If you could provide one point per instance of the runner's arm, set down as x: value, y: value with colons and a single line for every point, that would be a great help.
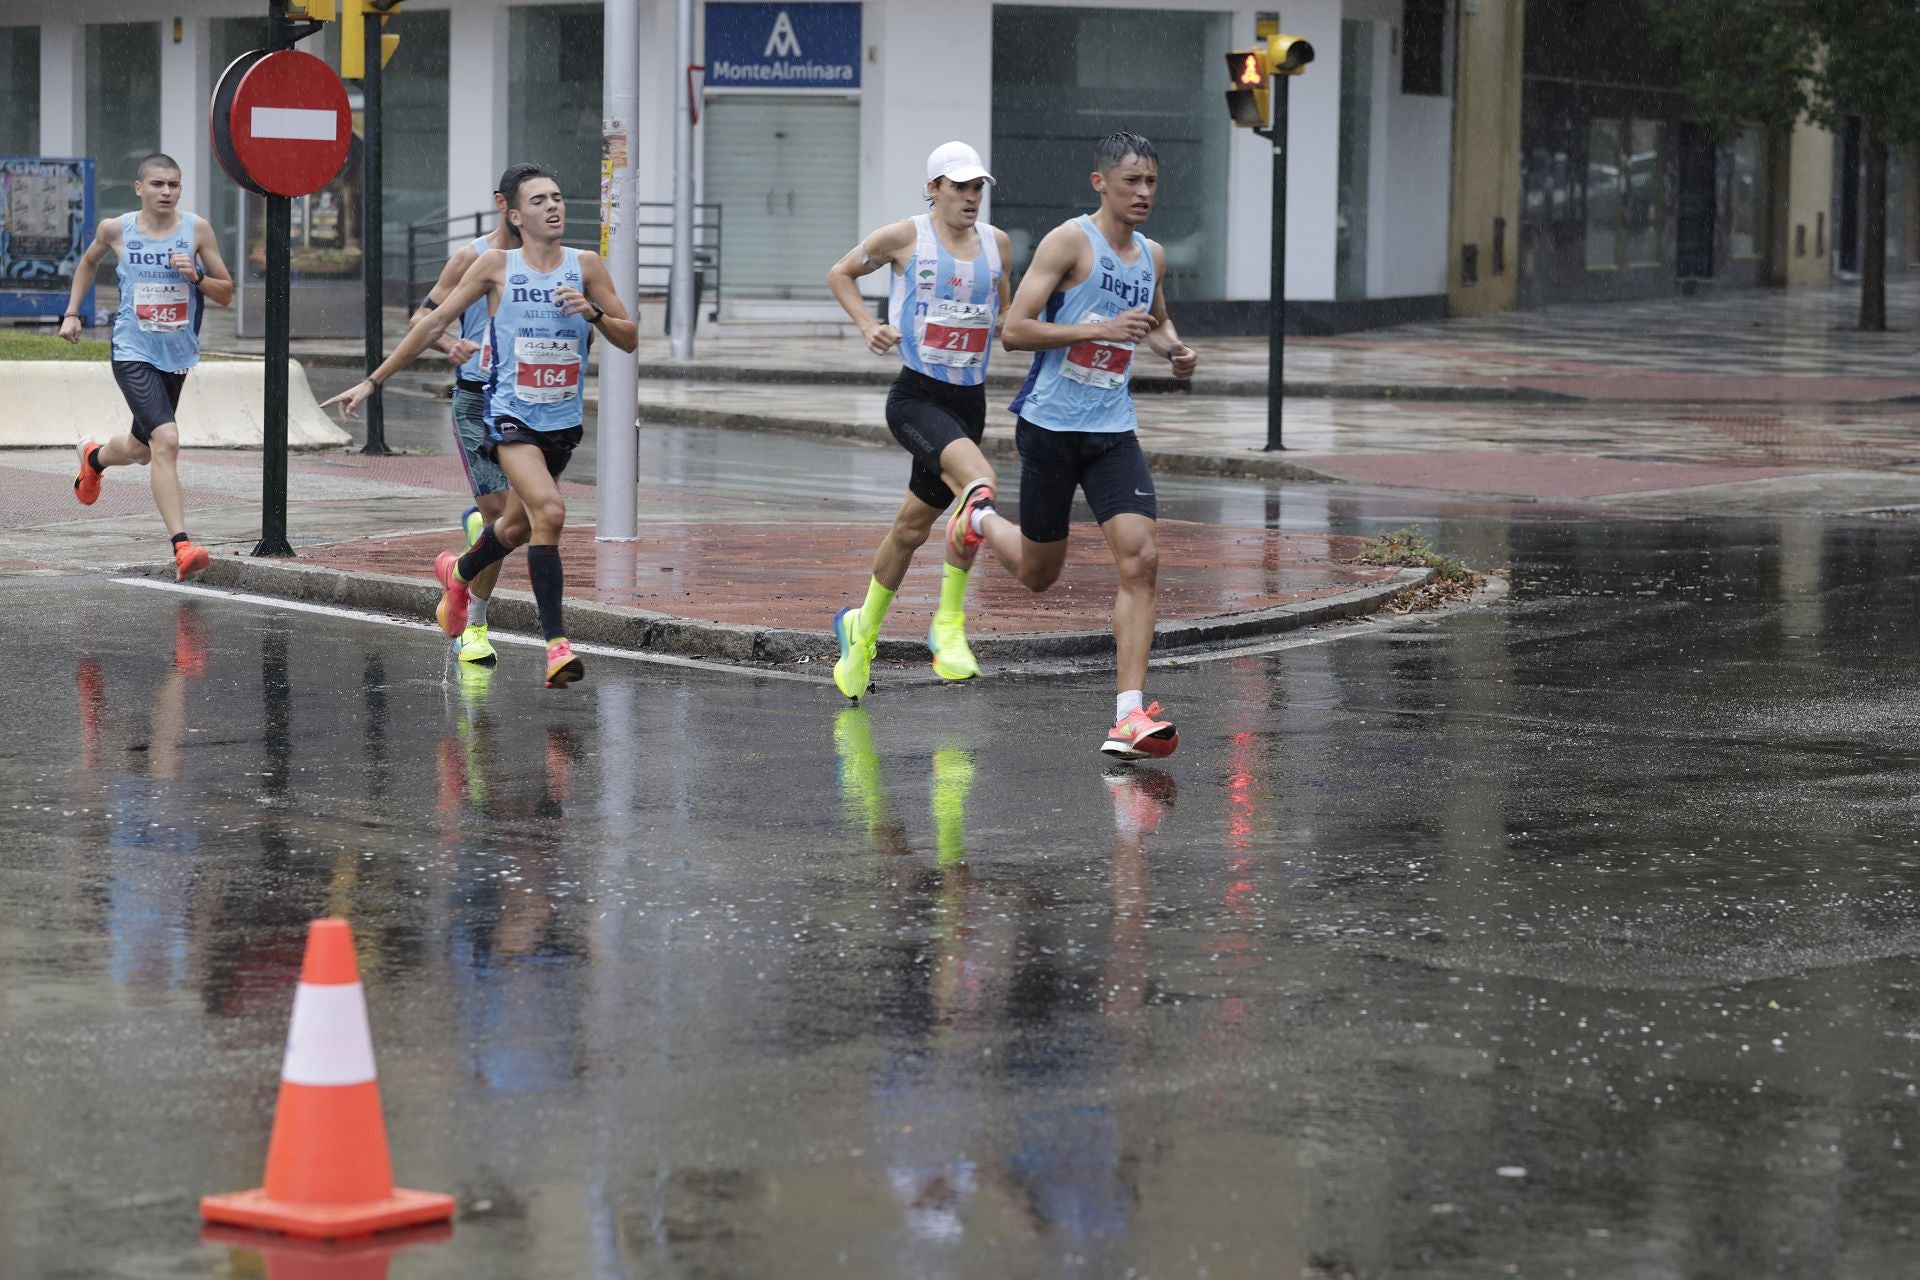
x: 886, y: 247
x: 105, y: 238
x: 599, y: 295
x: 450, y: 277
x: 1053, y: 262
x: 1165, y: 339
x: 481, y: 281
x: 216, y: 282
x: 1006, y: 275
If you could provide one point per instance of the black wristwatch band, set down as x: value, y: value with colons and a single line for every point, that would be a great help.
x: 599, y: 314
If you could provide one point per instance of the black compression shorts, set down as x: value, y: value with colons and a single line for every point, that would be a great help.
x: 926, y: 415
x: 153, y: 395
x: 1109, y: 466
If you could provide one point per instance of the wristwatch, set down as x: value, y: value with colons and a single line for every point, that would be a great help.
x: 599, y: 314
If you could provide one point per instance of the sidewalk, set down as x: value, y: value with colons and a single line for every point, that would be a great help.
x: 713, y: 575
x: 1752, y: 346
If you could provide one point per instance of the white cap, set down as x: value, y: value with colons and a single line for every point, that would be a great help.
x: 956, y: 162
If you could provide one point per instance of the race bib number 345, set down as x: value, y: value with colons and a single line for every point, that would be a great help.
x: 1101, y: 365
x: 160, y: 308
x: 547, y: 370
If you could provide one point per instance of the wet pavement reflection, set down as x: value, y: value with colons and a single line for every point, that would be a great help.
x: 1574, y: 936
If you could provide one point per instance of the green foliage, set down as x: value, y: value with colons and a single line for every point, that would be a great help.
x: 1409, y: 548
x: 15, y: 345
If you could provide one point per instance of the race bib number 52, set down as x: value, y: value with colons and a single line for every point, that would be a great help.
x: 160, y: 308
x: 1100, y: 365
x: 547, y: 370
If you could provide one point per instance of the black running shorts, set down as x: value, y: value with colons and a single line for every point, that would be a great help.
x: 926, y: 415
x: 1109, y: 466
x: 153, y: 395
x: 557, y: 445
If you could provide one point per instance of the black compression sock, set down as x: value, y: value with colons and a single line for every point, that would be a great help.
x: 93, y: 459
x: 486, y: 549
x: 179, y: 538
x: 543, y: 566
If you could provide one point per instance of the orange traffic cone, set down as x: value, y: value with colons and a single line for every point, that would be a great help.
x: 328, y: 1173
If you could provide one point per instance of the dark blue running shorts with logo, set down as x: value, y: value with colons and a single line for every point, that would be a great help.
x: 1108, y: 466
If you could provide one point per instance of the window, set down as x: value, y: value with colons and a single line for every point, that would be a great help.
x: 1605, y: 188
x: 1626, y: 193
x: 554, y: 96
x: 1064, y: 76
x: 1646, y: 202
x: 1423, y: 47
x: 19, y: 91
x: 1747, y: 174
x: 123, y: 69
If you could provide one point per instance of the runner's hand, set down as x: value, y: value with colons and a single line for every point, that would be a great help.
x: 1185, y: 361
x: 183, y: 263
x: 573, y: 302
x: 462, y: 351
x: 70, y: 328
x: 351, y: 399
x: 1129, y: 326
x: 882, y: 338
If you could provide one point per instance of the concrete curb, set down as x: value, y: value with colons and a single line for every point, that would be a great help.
x: 618, y: 626
x: 1252, y: 465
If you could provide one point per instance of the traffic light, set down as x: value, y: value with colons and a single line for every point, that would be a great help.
x: 311, y: 10
x: 353, y: 35
x: 1249, y: 101
x: 1288, y: 55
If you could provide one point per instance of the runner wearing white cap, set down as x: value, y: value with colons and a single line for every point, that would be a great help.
x: 950, y: 288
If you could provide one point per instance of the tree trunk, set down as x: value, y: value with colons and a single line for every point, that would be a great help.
x: 1873, y: 255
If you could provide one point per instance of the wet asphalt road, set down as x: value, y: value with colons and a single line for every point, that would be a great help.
x: 1576, y: 936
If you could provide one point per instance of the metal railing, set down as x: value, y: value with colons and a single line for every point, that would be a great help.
x: 432, y: 241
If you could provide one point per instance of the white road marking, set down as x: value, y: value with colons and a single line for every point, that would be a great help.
x: 498, y: 637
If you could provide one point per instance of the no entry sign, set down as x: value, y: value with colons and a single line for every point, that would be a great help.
x: 281, y: 124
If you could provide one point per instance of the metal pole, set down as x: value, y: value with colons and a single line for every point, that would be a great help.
x: 618, y: 478
x: 1277, y: 308
x: 373, y: 266
x: 680, y: 284
x: 273, y: 460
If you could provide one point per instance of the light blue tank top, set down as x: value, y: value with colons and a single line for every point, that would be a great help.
x: 945, y: 308
x: 1084, y: 387
x: 473, y: 328
x: 158, y: 322
x: 539, y: 352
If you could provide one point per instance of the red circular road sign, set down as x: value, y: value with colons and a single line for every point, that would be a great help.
x: 281, y: 123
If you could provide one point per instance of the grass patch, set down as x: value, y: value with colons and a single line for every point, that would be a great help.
x: 1409, y: 548
x: 15, y: 345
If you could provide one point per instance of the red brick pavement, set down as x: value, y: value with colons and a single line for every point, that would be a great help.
x: 783, y: 576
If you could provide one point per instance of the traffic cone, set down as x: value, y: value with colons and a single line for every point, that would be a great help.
x: 328, y: 1173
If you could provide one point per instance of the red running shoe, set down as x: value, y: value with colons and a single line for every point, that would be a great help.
x: 960, y: 535
x: 189, y: 561
x: 1142, y: 733
x: 86, y: 481
x: 451, y: 612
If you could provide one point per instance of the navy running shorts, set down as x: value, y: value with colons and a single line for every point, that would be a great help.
x: 1109, y: 466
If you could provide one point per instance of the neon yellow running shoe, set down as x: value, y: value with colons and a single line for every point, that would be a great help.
x: 853, y: 673
x: 952, y: 657
x: 473, y: 646
x: 471, y: 523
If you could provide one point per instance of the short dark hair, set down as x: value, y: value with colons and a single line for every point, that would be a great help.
x: 1112, y: 151
x: 518, y: 176
x: 157, y: 160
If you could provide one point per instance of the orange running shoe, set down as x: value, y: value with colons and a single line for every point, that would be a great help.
x: 961, y: 538
x: 562, y: 667
x: 189, y: 561
x: 451, y: 612
x: 86, y: 481
x: 1141, y: 733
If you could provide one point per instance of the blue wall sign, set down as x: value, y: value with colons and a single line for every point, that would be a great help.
x: 783, y: 46
x: 46, y: 223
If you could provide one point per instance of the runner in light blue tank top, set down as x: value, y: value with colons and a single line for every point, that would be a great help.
x: 541, y: 329
x: 169, y: 267
x: 1089, y: 298
x: 539, y: 351
x: 948, y: 278
x: 485, y: 480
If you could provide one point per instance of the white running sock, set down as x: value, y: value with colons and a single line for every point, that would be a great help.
x: 1124, y: 703
x: 979, y: 517
x: 476, y: 611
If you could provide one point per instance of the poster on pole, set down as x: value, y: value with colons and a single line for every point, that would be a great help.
x: 46, y: 223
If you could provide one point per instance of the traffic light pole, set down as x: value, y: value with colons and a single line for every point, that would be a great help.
x: 1277, y: 305
x: 372, y: 238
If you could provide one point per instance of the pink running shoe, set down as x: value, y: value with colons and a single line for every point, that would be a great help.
x: 563, y: 668
x: 960, y: 535
x: 1142, y: 733
x: 451, y: 612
